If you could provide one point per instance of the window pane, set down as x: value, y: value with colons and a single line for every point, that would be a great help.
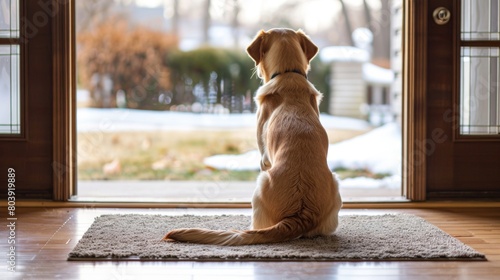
x: 10, y: 106
x: 9, y: 19
x: 480, y: 20
x: 479, y: 93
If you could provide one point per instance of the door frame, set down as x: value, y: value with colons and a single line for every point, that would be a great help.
x: 414, y: 100
x: 64, y: 100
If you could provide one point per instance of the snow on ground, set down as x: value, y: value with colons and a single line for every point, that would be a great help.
x: 378, y: 151
x: 247, y: 161
x: 92, y: 119
x: 389, y: 182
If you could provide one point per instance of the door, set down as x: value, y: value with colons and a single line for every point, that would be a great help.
x: 26, y: 138
x: 463, y: 99
x: 36, y: 142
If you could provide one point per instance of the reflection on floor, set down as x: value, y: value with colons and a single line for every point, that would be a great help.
x: 47, y: 235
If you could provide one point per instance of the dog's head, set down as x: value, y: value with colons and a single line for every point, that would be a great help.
x: 279, y: 50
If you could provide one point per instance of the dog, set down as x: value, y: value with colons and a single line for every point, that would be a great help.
x: 297, y: 194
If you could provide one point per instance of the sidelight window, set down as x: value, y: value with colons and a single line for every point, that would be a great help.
x: 10, y: 101
x: 480, y: 68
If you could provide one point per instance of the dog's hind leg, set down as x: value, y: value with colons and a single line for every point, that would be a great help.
x: 260, y: 217
x: 331, y: 219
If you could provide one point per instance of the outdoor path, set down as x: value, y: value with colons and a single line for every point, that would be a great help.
x: 200, y: 191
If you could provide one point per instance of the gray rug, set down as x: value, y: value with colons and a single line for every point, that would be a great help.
x: 359, y: 237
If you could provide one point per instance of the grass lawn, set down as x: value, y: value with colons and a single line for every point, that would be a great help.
x: 172, y: 155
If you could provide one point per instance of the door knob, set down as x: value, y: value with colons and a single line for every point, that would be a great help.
x: 441, y: 15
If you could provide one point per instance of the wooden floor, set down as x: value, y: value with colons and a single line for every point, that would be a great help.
x: 45, y: 236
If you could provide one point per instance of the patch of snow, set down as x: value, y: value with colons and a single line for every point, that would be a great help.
x: 344, y: 54
x: 389, y: 182
x: 335, y: 122
x: 82, y: 95
x: 378, y: 151
x: 247, y: 161
x: 93, y: 119
x: 374, y: 74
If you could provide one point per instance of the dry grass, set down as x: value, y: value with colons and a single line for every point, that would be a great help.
x: 167, y: 155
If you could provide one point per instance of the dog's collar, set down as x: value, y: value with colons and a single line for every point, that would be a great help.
x: 288, y: 71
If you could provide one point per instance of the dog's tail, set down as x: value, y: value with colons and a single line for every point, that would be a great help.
x: 287, y: 229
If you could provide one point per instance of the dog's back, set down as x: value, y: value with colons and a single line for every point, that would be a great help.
x: 298, y: 181
x: 296, y: 194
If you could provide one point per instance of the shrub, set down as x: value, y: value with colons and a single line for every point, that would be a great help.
x: 116, y: 57
x: 213, y: 76
x: 123, y: 65
x: 226, y: 77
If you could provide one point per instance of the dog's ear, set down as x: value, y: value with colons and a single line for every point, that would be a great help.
x: 309, y: 48
x: 255, y: 49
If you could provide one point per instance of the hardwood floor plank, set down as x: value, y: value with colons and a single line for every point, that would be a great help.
x: 45, y: 236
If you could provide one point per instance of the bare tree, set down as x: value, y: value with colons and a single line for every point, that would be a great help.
x: 175, y: 18
x: 235, y: 22
x: 368, y: 16
x: 381, y: 28
x: 92, y: 13
x: 206, y: 22
x: 348, y: 26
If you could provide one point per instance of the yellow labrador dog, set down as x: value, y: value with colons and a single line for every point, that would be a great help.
x: 297, y: 194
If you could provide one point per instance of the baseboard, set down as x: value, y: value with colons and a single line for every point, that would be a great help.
x: 485, y: 196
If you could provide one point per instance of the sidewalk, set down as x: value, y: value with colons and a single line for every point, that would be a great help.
x: 200, y: 191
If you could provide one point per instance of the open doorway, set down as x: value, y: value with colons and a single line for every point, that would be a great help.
x: 165, y: 110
